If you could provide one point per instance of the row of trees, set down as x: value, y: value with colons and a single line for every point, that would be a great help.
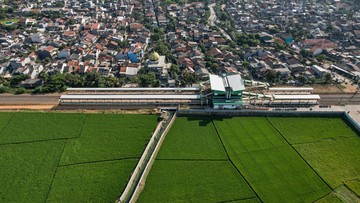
x: 58, y: 82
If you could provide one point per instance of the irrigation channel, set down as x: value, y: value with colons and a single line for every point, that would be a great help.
x: 142, y: 169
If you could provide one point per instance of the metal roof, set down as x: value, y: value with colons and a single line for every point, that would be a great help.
x: 297, y: 97
x: 291, y: 89
x: 235, y: 82
x: 217, y: 83
x: 130, y: 96
x: 135, y: 89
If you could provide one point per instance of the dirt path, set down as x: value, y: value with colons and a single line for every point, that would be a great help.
x: 27, y: 107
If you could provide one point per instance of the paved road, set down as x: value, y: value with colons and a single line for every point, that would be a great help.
x: 26, y: 99
x: 213, y: 18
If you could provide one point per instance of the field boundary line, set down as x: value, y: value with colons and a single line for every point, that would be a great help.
x: 98, y: 161
x: 298, y: 153
x: 7, y: 123
x: 227, y: 154
x: 210, y: 160
x: 82, y: 126
x: 35, y: 141
x: 57, y: 166
x: 323, y: 196
x: 322, y: 140
x: 233, y: 200
x: 349, y: 188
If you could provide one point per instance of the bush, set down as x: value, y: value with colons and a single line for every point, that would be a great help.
x: 20, y: 90
x: 3, y: 89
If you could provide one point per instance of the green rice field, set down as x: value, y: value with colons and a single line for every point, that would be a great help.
x: 276, y: 159
x: 69, y: 157
x: 76, y: 157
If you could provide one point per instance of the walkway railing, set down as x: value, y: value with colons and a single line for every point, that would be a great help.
x: 137, y: 179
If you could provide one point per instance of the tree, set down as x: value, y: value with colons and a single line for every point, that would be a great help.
x: 302, y: 79
x: 271, y: 75
x: 16, y: 79
x: 156, y: 37
x: 174, y: 71
x: 188, y: 78
x: 215, y: 68
x: 245, y: 64
x: 304, y: 53
x: 328, y: 78
x: 146, y: 80
x: 162, y: 49
x: 20, y: 90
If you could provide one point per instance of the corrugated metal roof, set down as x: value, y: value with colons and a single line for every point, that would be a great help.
x: 291, y: 89
x: 135, y: 89
x: 129, y: 96
x: 302, y: 96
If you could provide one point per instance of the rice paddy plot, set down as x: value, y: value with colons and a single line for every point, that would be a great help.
x: 108, y: 137
x: 195, y: 181
x: 4, y: 119
x: 330, y: 198
x: 192, y: 138
x: 94, y: 182
x: 309, y: 129
x: 275, y: 171
x: 337, y: 161
x: 354, y: 185
x: 27, y: 170
x: 35, y: 126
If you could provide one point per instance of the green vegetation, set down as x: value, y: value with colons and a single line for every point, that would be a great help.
x: 275, y: 171
x: 194, y: 181
x: 300, y: 130
x: 192, y: 167
x: 329, y: 145
x: 192, y: 138
x: 27, y: 170
x: 330, y: 198
x: 354, y: 185
x: 94, y: 182
x: 35, y: 126
x: 282, y: 160
x: 109, y: 136
x: 336, y: 160
x: 4, y: 119
x: 68, y: 157
x: 59, y: 82
x: 12, y: 20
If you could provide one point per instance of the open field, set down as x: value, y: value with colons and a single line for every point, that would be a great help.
x: 93, y: 182
x: 330, y: 198
x: 192, y: 166
x: 27, y: 170
x: 69, y: 157
x: 36, y: 126
x: 108, y: 137
x: 302, y: 130
x: 276, y: 172
x: 278, y: 159
x: 192, y: 138
x: 354, y: 185
x: 327, y: 144
x: 337, y: 161
x: 194, y: 181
